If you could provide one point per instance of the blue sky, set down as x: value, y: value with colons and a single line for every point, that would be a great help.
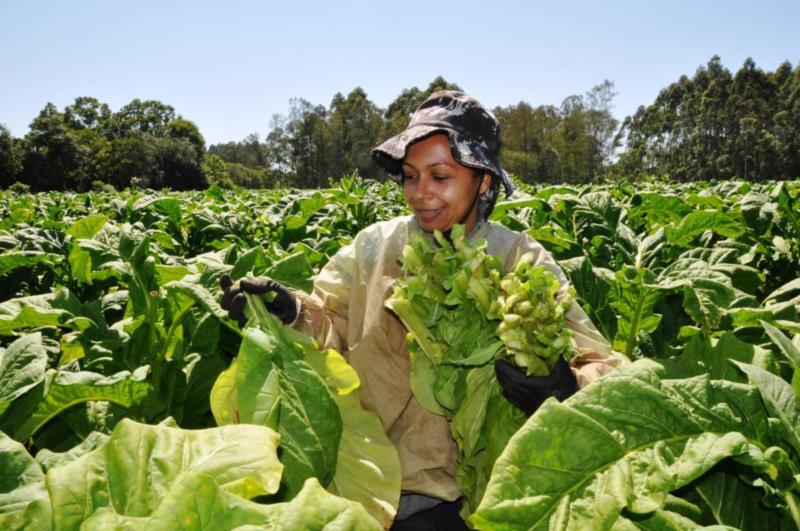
x: 230, y: 66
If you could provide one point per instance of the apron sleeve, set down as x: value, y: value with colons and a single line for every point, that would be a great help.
x: 323, y: 313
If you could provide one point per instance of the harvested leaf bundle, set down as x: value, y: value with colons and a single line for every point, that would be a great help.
x: 462, y: 313
x: 532, y: 327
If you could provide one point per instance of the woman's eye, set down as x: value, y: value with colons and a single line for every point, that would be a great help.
x: 440, y: 177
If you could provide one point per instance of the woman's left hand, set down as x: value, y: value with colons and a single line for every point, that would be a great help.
x: 528, y: 392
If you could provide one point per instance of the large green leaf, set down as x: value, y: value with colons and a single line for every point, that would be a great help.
x: 271, y: 385
x: 202, y: 366
x: 28, y: 312
x: 50, y: 309
x: 789, y: 291
x: 706, y: 300
x: 199, y: 294
x: 784, y: 344
x: 251, y: 260
x: 248, y: 390
x: 704, y: 355
x: 141, y: 466
x: 707, y: 293
x: 660, y: 208
x: 18, y: 467
x: 313, y: 508
x: 63, y: 390
x: 292, y: 270
x: 726, y: 499
x: 196, y: 502
x: 22, y: 366
x: 367, y: 465
x: 22, y: 492
x: 310, y: 425
x: 701, y: 221
x: 780, y: 399
x: 482, y: 427
x: 158, y: 477
x: 87, y: 227
x: 252, y: 389
x: 80, y: 260
x: 503, y: 206
x: 223, y: 396
x: 15, y: 259
x: 624, y: 443
x: 634, y: 297
x: 49, y: 459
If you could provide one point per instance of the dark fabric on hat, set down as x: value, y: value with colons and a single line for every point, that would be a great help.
x: 473, y: 130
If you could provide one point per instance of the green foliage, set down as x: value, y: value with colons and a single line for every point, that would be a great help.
x: 19, y: 188
x: 182, y: 129
x: 691, y: 283
x: 162, y: 477
x: 271, y: 385
x: 281, y: 379
x: 617, y: 453
x: 108, y: 311
x: 149, y: 117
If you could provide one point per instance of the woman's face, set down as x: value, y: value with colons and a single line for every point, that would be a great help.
x: 439, y: 189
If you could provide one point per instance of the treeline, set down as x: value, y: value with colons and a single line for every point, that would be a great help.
x: 314, y: 143
x: 718, y: 125
x: 144, y: 144
x: 714, y: 125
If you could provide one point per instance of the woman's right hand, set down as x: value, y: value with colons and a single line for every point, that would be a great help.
x: 283, y: 305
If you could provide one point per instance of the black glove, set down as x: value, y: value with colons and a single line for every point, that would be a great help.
x: 528, y: 392
x: 283, y: 305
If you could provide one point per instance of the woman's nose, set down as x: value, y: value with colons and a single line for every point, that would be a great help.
x: 422, y: 189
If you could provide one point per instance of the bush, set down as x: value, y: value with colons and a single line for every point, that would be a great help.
x: 101, y: 186
x: 19, y: 188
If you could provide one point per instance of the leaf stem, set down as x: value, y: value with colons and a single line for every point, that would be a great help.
x: 174, y: 326
x: 635, y: 324
x: 794, y: 509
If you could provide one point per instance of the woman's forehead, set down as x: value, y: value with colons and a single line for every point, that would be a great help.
x: 433, y: 147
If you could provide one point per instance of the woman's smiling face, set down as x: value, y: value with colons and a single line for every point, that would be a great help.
x: 440, y: 190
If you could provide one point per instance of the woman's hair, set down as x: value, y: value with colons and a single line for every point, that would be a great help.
x: 489, y: 198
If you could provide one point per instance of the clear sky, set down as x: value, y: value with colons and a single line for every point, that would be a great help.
x: 229, y: 66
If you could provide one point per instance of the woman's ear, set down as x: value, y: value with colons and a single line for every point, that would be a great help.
x: 486, y: 183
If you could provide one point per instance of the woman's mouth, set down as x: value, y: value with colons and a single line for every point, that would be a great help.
x: 427, y: 214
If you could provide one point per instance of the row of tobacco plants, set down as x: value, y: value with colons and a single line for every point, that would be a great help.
x: 118, y: 367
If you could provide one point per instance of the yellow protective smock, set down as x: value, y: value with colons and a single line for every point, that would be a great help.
x: 346, y: 311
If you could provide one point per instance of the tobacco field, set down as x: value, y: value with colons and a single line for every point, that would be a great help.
x: 129, y: 400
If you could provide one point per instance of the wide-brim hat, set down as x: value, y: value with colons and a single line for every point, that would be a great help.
x: 473, y: 130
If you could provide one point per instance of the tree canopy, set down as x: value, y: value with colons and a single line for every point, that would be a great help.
x: 713, y: 125
x: 143, y: 144
x: 719, y: 125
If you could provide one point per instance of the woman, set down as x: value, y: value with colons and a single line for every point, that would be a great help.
x: 447, y: 160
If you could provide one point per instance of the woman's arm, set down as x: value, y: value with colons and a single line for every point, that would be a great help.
x: 324, y: 313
